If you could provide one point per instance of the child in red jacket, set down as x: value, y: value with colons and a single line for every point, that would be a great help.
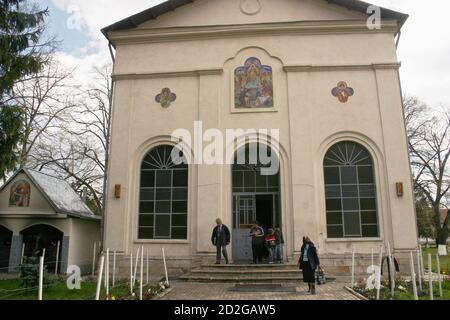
x: 271, y: 245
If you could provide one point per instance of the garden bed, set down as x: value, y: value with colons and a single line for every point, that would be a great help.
x: 57, y: 290
x: 403, y: 291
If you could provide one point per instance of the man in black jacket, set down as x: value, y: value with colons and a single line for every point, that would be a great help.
x: 221, y: 239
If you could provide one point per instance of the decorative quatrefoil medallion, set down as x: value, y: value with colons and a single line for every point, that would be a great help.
x: 250, y: 7
x: 343, y: 92
x: 165, y: 98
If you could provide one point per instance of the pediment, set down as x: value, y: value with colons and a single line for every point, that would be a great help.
x: 237, y: 12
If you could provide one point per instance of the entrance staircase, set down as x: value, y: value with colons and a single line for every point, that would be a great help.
x: 338, y: 270
x: 247, y: 273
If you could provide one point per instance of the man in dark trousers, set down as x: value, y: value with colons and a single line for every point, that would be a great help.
x: 221, y: 239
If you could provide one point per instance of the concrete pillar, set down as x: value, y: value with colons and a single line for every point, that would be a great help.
x: 15, y: 254
x: 209, y: 179
x: 305, y: 215
x: 402, y: 211
x: 65, y: 254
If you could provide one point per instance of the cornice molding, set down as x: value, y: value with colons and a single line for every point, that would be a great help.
x: 167, y: 74
x: 154, y: 35
x: 288, y: 68
x: 347, y: 67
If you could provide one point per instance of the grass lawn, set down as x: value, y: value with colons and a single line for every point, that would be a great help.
x: 445, y: 261
x: 425, y: 295
x: 11, y: 290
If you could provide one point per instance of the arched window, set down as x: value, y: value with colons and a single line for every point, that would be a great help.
x: 350, y: 192
x: 163, y: 196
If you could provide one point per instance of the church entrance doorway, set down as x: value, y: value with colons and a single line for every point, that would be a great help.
x: 256, y: 199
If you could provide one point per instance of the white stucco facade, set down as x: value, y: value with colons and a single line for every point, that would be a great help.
x: 311, y: 46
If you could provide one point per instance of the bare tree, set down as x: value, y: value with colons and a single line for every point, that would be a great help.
x: 79, y: 152
x: 67, y: 159
x: 429, y: 146
x: 46, y: 102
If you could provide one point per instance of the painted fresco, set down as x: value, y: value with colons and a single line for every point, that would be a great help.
x: 343, y: 92
x: 166, y: 97
x: 20, y: 194
x: 253, y: 85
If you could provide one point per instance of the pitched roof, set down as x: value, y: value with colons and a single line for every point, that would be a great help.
x: 171, y: 5
x: 58, y: 193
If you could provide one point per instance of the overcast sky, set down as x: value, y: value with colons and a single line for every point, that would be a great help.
x: 424, y: 48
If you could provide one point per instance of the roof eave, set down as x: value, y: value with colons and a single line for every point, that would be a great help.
x: 171, y: 5
x: 149, y: 14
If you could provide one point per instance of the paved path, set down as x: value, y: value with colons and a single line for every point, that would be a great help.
x: 220, y: 291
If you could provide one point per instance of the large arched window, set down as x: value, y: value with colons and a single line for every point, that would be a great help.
x: 163, y: 196
x: 350, y: 192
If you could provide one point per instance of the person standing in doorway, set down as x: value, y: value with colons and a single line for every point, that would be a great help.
x: 279, y: 241
x: 257, y: 234
x: 308, y: 263
x: 221, y: 239
x: 271, y: 245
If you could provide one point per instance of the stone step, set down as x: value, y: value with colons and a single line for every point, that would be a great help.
x: 335, y: 270
x: 240, y: 279
x: 250, y: 266
x: 264, y: 273
x: 238, y: 272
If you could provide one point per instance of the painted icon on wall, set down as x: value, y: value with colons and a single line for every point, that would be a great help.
x: 20, y: 194
x: 253, y: 85
x: 166, y: 97
x: 343, y: 92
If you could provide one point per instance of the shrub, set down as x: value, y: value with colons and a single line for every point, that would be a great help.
x: 29, y: 274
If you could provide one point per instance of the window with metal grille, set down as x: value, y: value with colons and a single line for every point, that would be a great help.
x: 350, y: 192
x: 163, y: 200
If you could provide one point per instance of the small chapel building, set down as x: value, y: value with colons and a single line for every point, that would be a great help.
x: 319, y: 83
x: 39, y: 211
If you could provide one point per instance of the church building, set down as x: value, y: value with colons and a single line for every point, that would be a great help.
x: 314, y: 82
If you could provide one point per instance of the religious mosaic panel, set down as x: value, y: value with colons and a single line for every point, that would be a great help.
x: 343, y: 92
x: 20, y: 194
x: 253, y: 85
x: 166, y: 97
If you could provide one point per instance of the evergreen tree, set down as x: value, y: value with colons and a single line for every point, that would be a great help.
x: 21, y: 28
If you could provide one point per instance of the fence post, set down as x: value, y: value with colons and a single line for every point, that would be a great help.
x: 422, y: 265
x: 23, y: 253
x: 413, y: 277
x: 379, y: 272
x: 57, y: 257
x: 430, y: 277
x: 372, y: 256
x: 99, y: 278
x: 438, y: 265
x: 114, y: 270
x: 392, y: 267
x: 141, y: 278
x: 135, y: 266
x: 131, y: 272
x: 41, y: 276
x: 107, y: 274
x: 146, y: 273
x: 419, y: 271
x: 93, y: 258
x: 165, y: 267
x: 353, y: 267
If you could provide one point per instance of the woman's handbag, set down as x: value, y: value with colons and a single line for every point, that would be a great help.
x: 321, y: 279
